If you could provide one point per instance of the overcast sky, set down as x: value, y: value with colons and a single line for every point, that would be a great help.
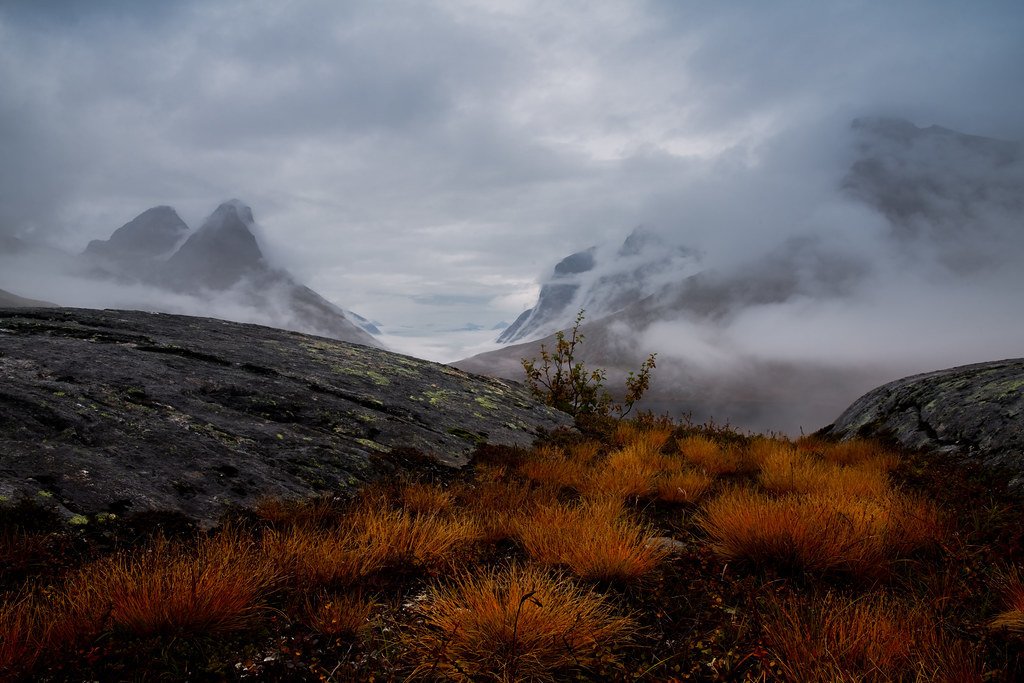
x: 425, y: 162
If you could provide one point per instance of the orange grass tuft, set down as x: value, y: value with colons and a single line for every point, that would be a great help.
x: 514, y: 624
x: 338, y: 614
x: 820, y: 532
x: 832, y: 638
x: 793, y: 471
x: 627, y: 473
x: 319, y: 511
x: 550, y: 466
x: 1011, y: 584
x: 595, y: 540
x: 219, y: 586
x: 426, y: 499
x: 370, y: 543
x: 858, y: 452
x: 21, y: 626
x: 704, y: 453
x: 682, y: 486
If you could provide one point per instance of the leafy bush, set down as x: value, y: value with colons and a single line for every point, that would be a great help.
x: 565, y: 383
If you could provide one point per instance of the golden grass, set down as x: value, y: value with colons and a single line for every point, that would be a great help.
x: 426, y: 499
x: 714, y: 459
x: 551, y: 466
x: 859, y: 452
x: 792, y: 471
x: 338, y: 614
x: 217, y: 587
x: 594, y: 539
x: 820, y: 532
x: 1010, y: 584
x: 626, y: 473
x: 682, y: 486
x: 877, y: 638
x: 513, y: 624
x: 371, y: 542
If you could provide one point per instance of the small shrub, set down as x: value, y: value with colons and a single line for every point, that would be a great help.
x: 514, y: 624
x: 565, y: 383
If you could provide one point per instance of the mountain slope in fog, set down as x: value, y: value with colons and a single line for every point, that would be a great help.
x: 155, y: 263
x: 730, y: 338
x: 602, y: 281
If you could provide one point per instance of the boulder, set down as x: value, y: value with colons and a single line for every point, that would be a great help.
x: 975, y: 411
x: 117, y: 412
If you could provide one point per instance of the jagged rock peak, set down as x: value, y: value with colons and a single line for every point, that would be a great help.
x: 220, y: 253
x: 152, y: 233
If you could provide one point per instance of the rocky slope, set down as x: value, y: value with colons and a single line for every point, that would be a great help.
x: 9, y: 300
x: 122, y: 411
x: 975, y: 411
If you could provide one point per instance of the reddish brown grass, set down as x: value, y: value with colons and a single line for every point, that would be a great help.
x: 21, y: 642
x: 551, y: 466
x: 319, y: 511
x: 1010, y: 584
x: 218, y: 586
x: 595, y: 540
x: 370, y: 543
x: 792, y: 471
x: 716, y: 460
x: 338, y: 614
x: 832, y: 638
x: 821, y: 532
x: 682, y: 486
x: 513, y: 624
x: 426, y: 499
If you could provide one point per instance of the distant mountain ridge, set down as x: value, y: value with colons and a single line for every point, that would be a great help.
x: 220, y: 260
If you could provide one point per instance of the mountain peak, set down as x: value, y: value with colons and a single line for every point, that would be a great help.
x: 151, y: 234
x: 220, y: 253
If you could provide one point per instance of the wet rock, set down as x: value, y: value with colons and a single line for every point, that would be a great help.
x: 121, y: 411
x: 974, y: 411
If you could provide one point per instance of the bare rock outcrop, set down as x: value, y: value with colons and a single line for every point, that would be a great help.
x: 122, y: 411
x: 974, y: 411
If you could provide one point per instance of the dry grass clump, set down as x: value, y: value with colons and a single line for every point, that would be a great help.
x: 856, y: 452
x: 513, y: 624
x: 793, y: 471
x: 426, y: 498
x: 820, y: 532
x: 878, y: 638
x: 594, y: 539
x: 550, y: 466
x: 627, y: 473
x: 218, y: 586
x: 338, y: 614
x: 22, y: 628
x: 714, y: 459
x: 682, y: 486
x: 372, y: 542
x: 319, y: 511
x: 1011, y: 584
